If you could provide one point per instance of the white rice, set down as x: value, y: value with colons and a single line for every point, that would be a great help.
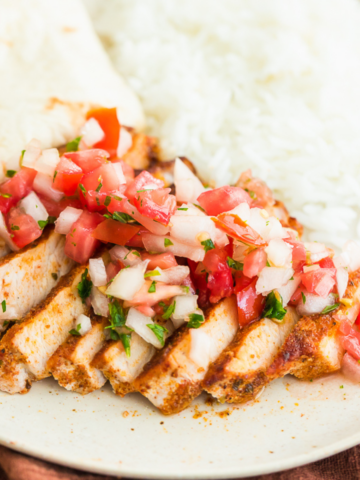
x: 272, y: 86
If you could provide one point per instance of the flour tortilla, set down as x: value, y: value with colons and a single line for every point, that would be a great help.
x: 52, y: 70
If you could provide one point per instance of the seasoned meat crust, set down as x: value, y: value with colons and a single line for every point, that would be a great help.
x: 313, y: 349
x: 238, y: 375
x: 26, y: 347
x: 171, y: 380
x: 143, y: 152
x: 70, y: 364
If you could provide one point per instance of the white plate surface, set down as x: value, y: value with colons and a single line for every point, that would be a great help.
x: 293, y: 423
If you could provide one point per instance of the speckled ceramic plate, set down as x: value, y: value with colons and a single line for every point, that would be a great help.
x: 293, y: 423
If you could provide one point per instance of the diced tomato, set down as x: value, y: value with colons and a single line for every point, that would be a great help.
x: 200, y: 282
x: 103, y: 179
x: 320, y: 281
x: 241, y: 282
x: 298, y: 254
x: 161, y: 260
x: 142, y: 182
x: 112, y: 269
x: 108, y: 121
x: 326, y: 263
x: 297, y: 296
x: 220, y: 281
x: 250, y: 304
x: 95, y: 201
x: 156, y: 204
x: 88, y: 160
x: 254, y: 262
x: 55, y: 208
x: 236, y: 228
x: 23, y: 227
x: 118, y: 203
x: 136, y: 241
x: 352, y: 345
x: 160, y: 309
x: 16, y: 188
x: 223, y: 199
x: 112, y: 231
x: 127, y: 169
x: 67, y: 177
x: 80, y: 245
x: 357, y: 321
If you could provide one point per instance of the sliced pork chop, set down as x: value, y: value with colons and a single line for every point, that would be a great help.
x: 26, y: 277
x: 173, y: 378
x: 70, y: 364
x: 119, y: 369
x: 313, y: 348
x: 238, y: 375
x: 27, y: 346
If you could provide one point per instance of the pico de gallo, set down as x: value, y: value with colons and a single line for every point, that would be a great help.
x: 171, y: 252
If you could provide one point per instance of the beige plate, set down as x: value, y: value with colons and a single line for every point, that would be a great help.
x: 293, y: 423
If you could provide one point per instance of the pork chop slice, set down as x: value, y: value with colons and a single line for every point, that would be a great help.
x: 313, y: 348
x: 27, y: 346
x: 27, y: 277
x: 238, y: 375
x: 119, y: 369
x: 70, y: 364
x: 173, y: 377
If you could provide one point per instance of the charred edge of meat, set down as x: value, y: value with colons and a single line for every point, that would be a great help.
x: 143, y: 152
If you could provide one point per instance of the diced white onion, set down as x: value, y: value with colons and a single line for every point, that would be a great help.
x: 310, y: 268
x: 92, y: 132
x: 125, y: 142
x: 163, y: 292
x: 119, y: 172
x: 99, y: 302
x: 177, y: 322
x: 279, y: 253
x: 127, y: 257
x: 187, y: 186
x: 201, y: 348
x: 5, y: 235
x: 189, y: 210
x: 173, y: 275
x: 153, y: 227
x: 342, y: 260
x: 342, y: 278
x: 97, y: 272
x: 155, y: 243
x: 288, y: 290
x: 66, y: 220
x: 85, y: 323
x: 271, y: 278
x: 47, y: 161
x: 32, y: 153
x: 128, y: 281
x: 185, y: 305
x: 353, y: 250
x: 138, y: 322
x: 314, y: 304
x: 32, y: 205
x: 43, y: 185
x: 316, y: 251
x: 186, y: 229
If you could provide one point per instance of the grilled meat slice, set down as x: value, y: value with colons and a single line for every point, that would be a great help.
x: 4, y: 249
x: 70, y: 364
x: 172, y: 379
x: 26, y: 347
x: 119, y: 369
x: 26, y: 277
x: 313, y: 348
x: 238, y: 375
x: 143, y: 152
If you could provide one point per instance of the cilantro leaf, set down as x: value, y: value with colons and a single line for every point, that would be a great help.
x: 153, y: 273
x: 82, y: 188
x: 73, y: 146
x: 10, y: 173
x: 303, y: 298
x: 126, y: 338
x: 198, y: 206
x: 330, y: 308
x: 107, y: 201
x: 14, y: 227
x: 117, y: 317
x: 84, y: 286
x: 123, y: 218
x: 54, y: 276
x: 3, y: 306
x: 152, y: 288
x: 185, y: 209
x: 169, y: 311
x: 42, y: 224
x: 76, y: 332
x: 6, y: 195
x: 159, y: 331
x: 196, y: 320
x: 274, y: 307
x: 234, y: 264
x: 167, y: 242
x: 208, y: 245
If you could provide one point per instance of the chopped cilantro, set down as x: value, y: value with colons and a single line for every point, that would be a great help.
x: 6, y: 195
x: 99, y: 187
x: 51, y: 220
x: 196, y: 320
x: 10, y: 173
x: 144, y: 190
x: 303, y: 298
x: 42, y: 224
x: 84, y: 286
x: 159, y: 331
x: 163, y: 304
x: 198, y: 206
x: 184, y: 209
x: 117, y: 317
x: 330, y: 308
x: 186, y: 288
x: 152, y: 288
x: 167, y: 242
x: 22, y: 157
x: 126, y: 338
x: 55, y: 173
x: 153, y: 273
x: 169, y: 311
x: 54, y: 276
x: 123, y: 217
x: 14, y: 227
x: 107, y: 201
x: 76, y: 332
x: 114, y: 335
x: 6, y: 323
x: 341, y: 386
x: 82, y: 188
x: 135, y: 252
x: 234, y: 264
x: 73, y: 146
x: 274, y: 308
x: 208, y: 245
x: 97, y: 201
x: 3, y: 306
x: 268, y: 263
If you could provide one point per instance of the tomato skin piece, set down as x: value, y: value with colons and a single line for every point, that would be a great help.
x: 161, y: 260
x: 254, y: 262
x: 55, y: 208
x: 94, y: 201
x: 88, y: 160
x: 326, y: 263
x: 136, y: 241
x: 112, y: 231
x: 103, y: 179
x: 23, y: 227
x: 250, y: 304
x: 157, y: 204
x: 17, y: 187
x: 319, y: 282
x: 108, y: 121
x: 241, y: 282
x: 233, y: 226
x: 68, y: 176
x: 80, y: 245
x: 298, y: 254
x: 220, y: 281
x: 357, y: 321
x: 200, y: 282
x: 141, y: 182
x: 223, y: 199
